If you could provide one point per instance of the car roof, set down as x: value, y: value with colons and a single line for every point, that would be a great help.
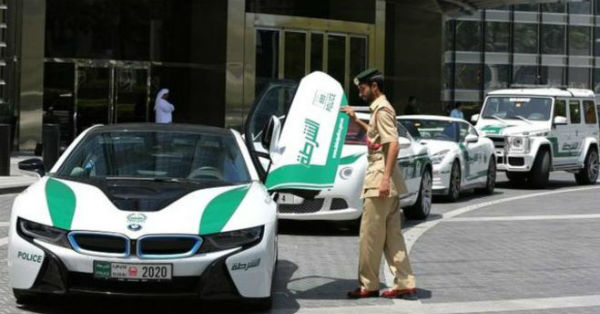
x: 160, y: 127
x: 550, y: 92
x: 429, y: 117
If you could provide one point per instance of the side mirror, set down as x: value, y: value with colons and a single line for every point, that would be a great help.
x: 475, y: 118
x: 560, y: 120
x: 33, y: 164
x: 471, y: 138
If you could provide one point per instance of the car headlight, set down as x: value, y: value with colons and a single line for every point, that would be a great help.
x: 231, y: 239
x: 439, y: 156
x: 518, y: 144
x: 30, y: 230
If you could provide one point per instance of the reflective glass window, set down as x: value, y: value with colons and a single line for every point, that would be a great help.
x: 589, y: 111
x: 468, y: 76
x: 525, y: 38
x: 580, y: 7
x: 553, y: 76
x: 553, y: 7
x: 553, y: 39
x: 525, y: 74
x: 316, y: 52
x: 267, y: 57
x: 526, y: 7
x: 496, y: 76
x: 358, y: 62
x: 497, y: 36
x: 295, y: 55
x: 468, y: 36
x: 579, y: 77
x: 579, y: 40
x: 574, y: 111
x: 336, y: 66
x: 560, y: 108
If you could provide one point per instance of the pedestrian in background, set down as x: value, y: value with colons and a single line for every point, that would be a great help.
x: 411, y: 106
x: 380, y: 228
x: 457, y: 112
x: 163, y: 108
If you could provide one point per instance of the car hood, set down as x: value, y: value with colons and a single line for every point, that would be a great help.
x: 72, y: 205
x: 512, y: 128
x: 437, y: 146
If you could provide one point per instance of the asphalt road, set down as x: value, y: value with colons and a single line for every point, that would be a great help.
x: 517, y: 251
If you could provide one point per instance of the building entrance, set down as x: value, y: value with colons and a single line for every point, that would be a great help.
x: 81, y: 93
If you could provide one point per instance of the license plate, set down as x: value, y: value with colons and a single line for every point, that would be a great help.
x: 125, y: 271
x: 289, y: 199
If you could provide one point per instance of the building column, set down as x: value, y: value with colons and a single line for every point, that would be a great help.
x: 29, y: 70
x: 234, y: 68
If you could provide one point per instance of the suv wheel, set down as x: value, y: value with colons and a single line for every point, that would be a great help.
x: 589, y: 173
x: 422, y: 208
x: 540, y: 172
x: 454, y: 185
x: 490, y: 183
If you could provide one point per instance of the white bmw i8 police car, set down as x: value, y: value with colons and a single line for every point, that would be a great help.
x: 151, y: 209
x: 462, y: 159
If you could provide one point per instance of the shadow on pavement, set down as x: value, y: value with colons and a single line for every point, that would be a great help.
x: 318, y: 228
x: 466, y: 197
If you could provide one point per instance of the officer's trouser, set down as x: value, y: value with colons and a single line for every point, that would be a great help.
x: 380, y: 232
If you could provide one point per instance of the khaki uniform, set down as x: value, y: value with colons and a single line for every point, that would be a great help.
x: 380, y: 230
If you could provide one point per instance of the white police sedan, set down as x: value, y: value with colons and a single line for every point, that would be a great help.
x: 462, y: 159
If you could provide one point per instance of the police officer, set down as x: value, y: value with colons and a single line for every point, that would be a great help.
x: 383, y: 184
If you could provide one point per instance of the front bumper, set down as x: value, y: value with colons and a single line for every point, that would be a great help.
x: 513, y: 162
x: 323, y: 208
x: 441, y: 179
x: 207, y: 276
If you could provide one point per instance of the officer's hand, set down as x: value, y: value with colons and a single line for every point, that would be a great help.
x: 384, y: 188
x: 349, y: 111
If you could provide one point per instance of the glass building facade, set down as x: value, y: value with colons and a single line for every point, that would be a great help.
x: 77, y: 63
x: 552, y: 44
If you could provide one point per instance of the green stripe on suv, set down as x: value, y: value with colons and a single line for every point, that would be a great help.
x: 221, y: 208
x: 61, y: 203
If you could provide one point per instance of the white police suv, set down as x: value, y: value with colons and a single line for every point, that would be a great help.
x: 538, y: 130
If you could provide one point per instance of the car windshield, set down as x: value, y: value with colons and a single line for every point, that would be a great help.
x: 421, y: 129
x: 158, y: 156
x: 518, y: 108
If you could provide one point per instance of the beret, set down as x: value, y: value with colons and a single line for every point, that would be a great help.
x: 366, y: 76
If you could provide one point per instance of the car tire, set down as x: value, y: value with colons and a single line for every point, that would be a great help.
x: 454, y: 184
x: 422, y: 207
x: 260, y: 304
x: 25, y: 298
x: 589, y: 173
x: 540, y: 173
x: 490, y: 183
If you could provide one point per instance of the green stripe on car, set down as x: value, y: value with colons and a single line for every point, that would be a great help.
x: 492, y: 129
x: 221, y: 208
x: 61, y: 203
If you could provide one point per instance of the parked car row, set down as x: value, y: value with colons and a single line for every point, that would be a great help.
x: 182, y: 210
x: 524, y: 132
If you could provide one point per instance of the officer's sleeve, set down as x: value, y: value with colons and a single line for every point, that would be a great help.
x: 386, y: 126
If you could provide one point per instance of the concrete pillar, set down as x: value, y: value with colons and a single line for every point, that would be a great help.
x: 30, y: 29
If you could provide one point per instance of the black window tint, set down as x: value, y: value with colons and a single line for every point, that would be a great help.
x: 560, y: 108
x: 589, y: 112
x: 575, y: 111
